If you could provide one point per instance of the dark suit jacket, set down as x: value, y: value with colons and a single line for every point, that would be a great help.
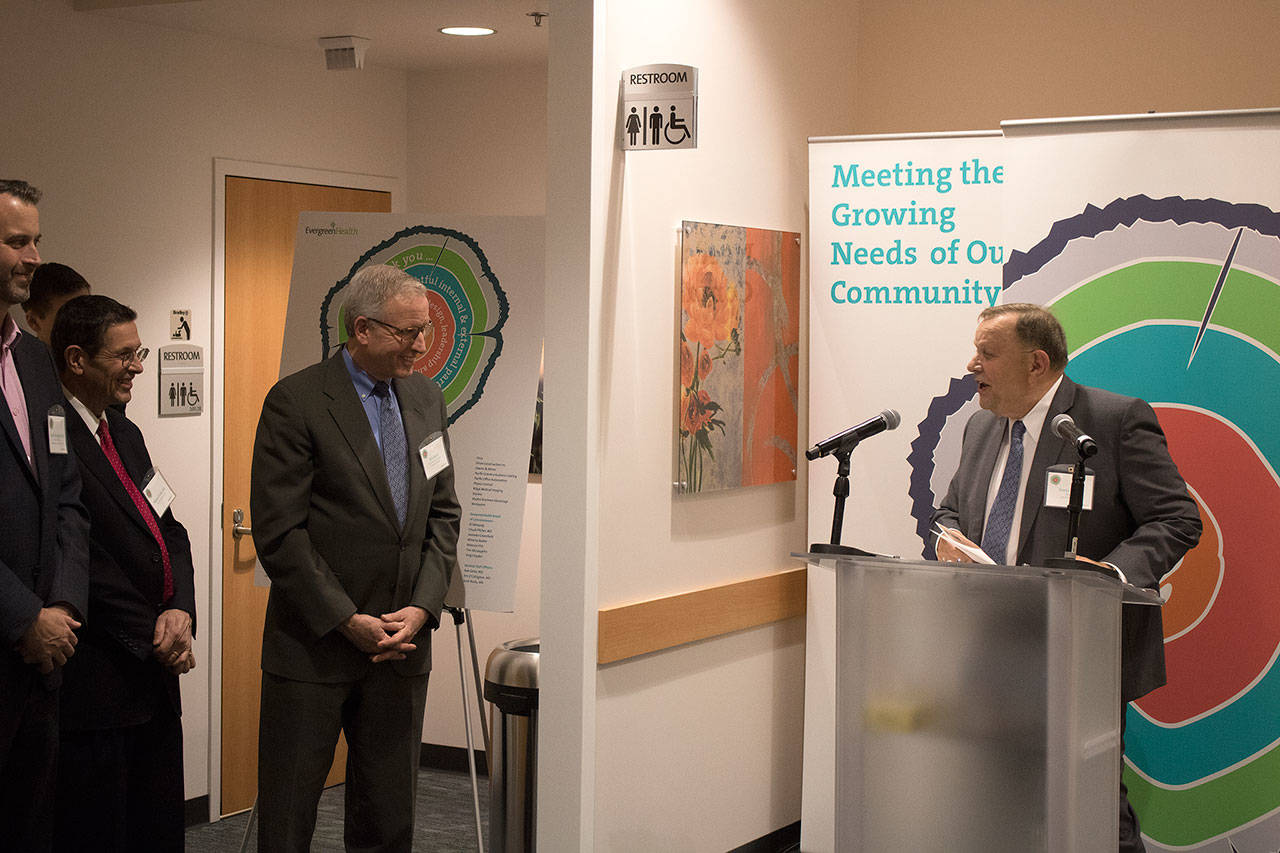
x: 1143, y: 520
x: 113, y: 680
x: 325, y: 527
x: 44, y: 553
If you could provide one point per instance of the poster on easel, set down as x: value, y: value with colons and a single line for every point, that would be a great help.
x: 486, y: 300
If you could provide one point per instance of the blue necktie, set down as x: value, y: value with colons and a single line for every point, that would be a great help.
x: 395, y: 451
x: 995, y: 536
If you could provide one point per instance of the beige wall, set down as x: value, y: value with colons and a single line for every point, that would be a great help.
x: 478, y: 146
x: 696, y: 748
x: 478, y: 141
x: 967, y: 66
x: 119, y: 125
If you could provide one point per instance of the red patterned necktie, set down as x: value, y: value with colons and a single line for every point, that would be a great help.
x: 144, y: 508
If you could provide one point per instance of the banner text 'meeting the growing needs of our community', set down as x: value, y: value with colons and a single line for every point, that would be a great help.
x: 870, y: 205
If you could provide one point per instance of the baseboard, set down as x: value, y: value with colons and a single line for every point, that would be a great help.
x: 439, y: 757
x: 196, y: 811
x: 778, y: 841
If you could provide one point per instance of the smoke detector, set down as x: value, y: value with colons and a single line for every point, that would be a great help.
x: 342, y: 53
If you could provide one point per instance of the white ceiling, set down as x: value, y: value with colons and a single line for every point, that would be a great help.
x: 405, y: 34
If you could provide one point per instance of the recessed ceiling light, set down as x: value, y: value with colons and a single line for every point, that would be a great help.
x: 467, y: 31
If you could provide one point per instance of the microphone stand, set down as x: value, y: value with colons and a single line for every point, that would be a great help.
x: 841, y: 491
x: 1075, y: 507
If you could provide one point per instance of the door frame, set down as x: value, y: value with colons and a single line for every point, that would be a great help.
x: 224, y: 168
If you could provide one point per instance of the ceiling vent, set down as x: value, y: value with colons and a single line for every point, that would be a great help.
x: 342, y: 53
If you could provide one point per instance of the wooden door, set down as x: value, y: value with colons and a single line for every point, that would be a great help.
x: 261, y: 224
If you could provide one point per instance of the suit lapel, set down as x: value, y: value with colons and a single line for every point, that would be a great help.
x: 15, y: 440
x: 417, y: 426
x: 37, y: 409
x: 94, y: 463
x: 349, y: 416
x: 1048, y: 452
x: 987, y: 449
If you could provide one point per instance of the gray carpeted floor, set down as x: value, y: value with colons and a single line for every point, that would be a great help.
x: 445, y: 819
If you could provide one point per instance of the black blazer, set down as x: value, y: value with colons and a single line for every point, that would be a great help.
x: 44, y: 553
x: 113, y: 680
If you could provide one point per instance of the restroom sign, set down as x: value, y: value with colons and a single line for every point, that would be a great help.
x: 659, y: 107
x: 181, y: 380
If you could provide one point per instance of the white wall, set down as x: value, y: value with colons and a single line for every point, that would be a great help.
x: 697, y: 748
x: 119, y: 124
x: 478, y: 145
x: 478, y: 141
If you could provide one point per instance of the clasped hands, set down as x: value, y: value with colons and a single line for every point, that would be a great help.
x: 171, y: 642
x: 386, y: 637
x: 50, y: 640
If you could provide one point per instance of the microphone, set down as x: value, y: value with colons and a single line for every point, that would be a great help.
x: 1065, y: 428
x: 888, y: 419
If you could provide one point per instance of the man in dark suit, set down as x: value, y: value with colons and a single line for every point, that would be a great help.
x: 120, y: 780
x: 355, y: 520
x: 1142, y: 519
x: 43, y: 544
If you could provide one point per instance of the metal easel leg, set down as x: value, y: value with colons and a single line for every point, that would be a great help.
x: 248, y: 829
x: 475, y: 673
x: 458, y: 617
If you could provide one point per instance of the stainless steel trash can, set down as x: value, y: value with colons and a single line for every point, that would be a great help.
x: 511, y: 684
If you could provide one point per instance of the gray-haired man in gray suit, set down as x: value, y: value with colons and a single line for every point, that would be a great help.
x: 356, y: 522
x: 1142, y: 519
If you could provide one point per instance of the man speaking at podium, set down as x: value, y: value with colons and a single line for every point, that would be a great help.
x: 1142, y: 519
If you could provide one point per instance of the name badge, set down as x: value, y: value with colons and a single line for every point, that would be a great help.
x: 157, y: 492
x: 1057, y: 487
x: 57, y: 421
x: 434, y: 455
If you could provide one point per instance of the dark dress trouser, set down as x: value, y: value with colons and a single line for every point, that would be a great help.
x: 28, y: 758
x: 381, y: 716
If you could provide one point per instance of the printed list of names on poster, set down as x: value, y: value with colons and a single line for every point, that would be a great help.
x: 491, y: 487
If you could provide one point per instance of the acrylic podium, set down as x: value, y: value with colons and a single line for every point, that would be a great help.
x: 977, y: 708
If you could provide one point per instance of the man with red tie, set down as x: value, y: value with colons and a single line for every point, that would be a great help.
x: 120, y: 781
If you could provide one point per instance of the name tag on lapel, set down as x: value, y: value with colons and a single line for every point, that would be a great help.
x: 157, y: 491
x: 1057, y: 487
x: 434, y: 455
x: 57, y: 421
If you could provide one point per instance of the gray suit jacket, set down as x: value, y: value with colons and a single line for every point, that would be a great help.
x: 1143, y: 520
x: 325, y: 526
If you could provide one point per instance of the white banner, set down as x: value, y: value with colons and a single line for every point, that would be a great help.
x: 1156, y: 241
x: 905, y: 249
x: 486, y: 289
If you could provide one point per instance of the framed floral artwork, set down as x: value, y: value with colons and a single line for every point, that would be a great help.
x: 737, y: 401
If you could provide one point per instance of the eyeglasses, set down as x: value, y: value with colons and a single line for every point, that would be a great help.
x: 126, y: 357
x: 404, y: 336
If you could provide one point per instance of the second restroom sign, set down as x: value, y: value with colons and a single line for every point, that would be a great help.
x: 659, y: 107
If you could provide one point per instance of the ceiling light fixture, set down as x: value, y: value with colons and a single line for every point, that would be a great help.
x: 467, y: 31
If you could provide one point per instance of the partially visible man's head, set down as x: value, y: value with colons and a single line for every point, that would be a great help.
x: 19, y: 237
x: 1020, y: 350
x: 52, y: 286
x: 386, y: 315
x: 96, y: 345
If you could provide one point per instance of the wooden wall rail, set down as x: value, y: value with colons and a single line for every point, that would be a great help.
x: 664, y: 623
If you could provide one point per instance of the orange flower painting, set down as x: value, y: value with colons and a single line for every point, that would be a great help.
x: 739, y: 353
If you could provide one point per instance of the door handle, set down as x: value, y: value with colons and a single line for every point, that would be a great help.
x: 238, y: 529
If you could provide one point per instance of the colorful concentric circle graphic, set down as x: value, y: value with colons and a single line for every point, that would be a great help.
x: 468, y: 308
x: 1177, y: 301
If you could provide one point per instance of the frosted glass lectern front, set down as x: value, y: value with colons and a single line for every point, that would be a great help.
x: 977, y: 707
